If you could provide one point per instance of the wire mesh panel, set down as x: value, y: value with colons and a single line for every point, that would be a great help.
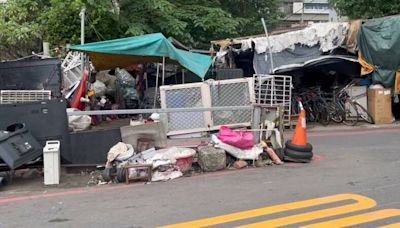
x: 274, y: 90
x: 20, y: 96
x: 234, y: 93
x: 209, y: 94
x: 184, y: 98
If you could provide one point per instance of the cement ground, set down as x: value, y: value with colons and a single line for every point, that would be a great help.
x: 362, y: 161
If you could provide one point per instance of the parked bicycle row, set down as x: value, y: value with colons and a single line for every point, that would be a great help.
x: 336, y: 106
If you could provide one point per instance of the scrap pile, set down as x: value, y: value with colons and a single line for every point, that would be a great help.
x: 227, y: 149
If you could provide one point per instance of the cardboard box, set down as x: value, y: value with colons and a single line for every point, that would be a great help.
x: 380, y: 105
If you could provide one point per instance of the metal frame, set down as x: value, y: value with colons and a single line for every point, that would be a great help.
x: 206, y: 102
x: 274, y: 90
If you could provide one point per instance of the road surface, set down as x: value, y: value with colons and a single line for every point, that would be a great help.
x: 354, y: 181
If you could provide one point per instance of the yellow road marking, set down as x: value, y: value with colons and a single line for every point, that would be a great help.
x: 361, y: 203
x: 357, y: 219
x: 394, y: 225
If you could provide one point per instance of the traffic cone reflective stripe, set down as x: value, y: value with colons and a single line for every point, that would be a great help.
x: 299, y: 136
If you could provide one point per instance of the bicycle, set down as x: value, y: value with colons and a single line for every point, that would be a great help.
x: 342, y: 108
x: 363, y: 112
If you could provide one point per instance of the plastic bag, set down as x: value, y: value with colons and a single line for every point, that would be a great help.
x: 79, y: 123
x: 242, y: 140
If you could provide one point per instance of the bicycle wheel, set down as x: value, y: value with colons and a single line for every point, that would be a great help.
x: 323, y: 116
x: 363, y: 113
x: 350, y: 113
x: 335, y: 113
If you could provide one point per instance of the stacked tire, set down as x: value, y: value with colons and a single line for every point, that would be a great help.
x: 298, y: 153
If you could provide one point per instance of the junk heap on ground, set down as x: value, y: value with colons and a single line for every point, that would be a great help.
x: 110, y: 110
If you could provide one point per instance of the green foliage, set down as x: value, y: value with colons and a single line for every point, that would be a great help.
x: 19, y: 27
x: 251, y: 11
x: 24, y: 24
x: 363, y: 9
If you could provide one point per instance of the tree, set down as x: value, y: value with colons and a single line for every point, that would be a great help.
x: 20, y: 30
x: 190, y: 21
x: 363, y: 9
x: 26, y: 23
x: 251, y: 12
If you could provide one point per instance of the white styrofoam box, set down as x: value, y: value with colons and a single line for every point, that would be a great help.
x: 51, y: 162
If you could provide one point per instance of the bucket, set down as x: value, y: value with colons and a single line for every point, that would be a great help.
x: 184, y: 163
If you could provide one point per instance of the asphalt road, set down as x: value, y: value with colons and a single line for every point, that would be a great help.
x: 355, y: 179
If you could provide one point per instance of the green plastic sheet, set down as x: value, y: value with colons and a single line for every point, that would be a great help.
x: 379, y: 43
x: 141, y: 49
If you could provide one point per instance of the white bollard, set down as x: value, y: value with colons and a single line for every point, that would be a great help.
x: 51, y: 162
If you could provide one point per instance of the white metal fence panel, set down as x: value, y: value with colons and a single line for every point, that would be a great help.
x: 185, y: 96
x: 274, y: 90
x: 226, y: 93
x: 231, y: 93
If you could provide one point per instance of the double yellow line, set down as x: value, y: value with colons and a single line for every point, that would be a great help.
x: 361, y: 203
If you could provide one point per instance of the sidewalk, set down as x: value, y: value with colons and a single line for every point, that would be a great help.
x: 311, y: 128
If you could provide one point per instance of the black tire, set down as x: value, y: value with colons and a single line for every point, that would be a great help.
x: 298, y: 155
x: 121, y: 175
x: 289, y: 159
x: 363, y: 113
x: 106, y: 174
x: 351, y: 114
x: 324, y: 117
x: 307, y: 148
x: 335, y: 113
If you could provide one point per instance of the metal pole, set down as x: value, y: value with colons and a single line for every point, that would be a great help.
x: 156, y: 92
x: 82, y: 14
x: 167, y: 110
x: 302, y: 13
x: 256, y: 121
x: 163, y: 70
x: 269, y: 45
x: 183, y: 76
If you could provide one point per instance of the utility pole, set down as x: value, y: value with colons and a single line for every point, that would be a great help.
x: 269, y: 45
x: 302, y: 12
x: 82, y: 15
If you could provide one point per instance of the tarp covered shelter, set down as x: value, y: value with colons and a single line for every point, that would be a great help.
x: 141, y: 49
x: 379, y: 46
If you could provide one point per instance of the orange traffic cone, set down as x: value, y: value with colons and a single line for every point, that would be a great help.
x: 299, y: 136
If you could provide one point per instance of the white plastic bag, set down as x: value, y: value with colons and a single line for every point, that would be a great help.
x: 78, y: 123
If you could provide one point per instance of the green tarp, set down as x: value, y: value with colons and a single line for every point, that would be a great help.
x: 379, y: 43
x: 141, y: 49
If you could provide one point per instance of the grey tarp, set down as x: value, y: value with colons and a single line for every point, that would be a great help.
x: 299, y: 55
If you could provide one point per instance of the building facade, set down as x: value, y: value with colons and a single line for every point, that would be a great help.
x: 307, y: 11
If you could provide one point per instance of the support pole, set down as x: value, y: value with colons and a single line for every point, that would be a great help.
x: 183, y: 76
x: 156, y: 90
x: 269, y: 45
x: 163, y: 70
x: 302, y: 13
x: 255, y: 125
x: 82, y: 14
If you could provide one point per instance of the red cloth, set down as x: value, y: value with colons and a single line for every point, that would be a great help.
x: 80, y: 92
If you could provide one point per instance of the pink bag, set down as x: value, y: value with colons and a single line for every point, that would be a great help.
x: 240, y: 139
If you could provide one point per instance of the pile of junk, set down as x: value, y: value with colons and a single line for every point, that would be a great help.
x: 226, y: 149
